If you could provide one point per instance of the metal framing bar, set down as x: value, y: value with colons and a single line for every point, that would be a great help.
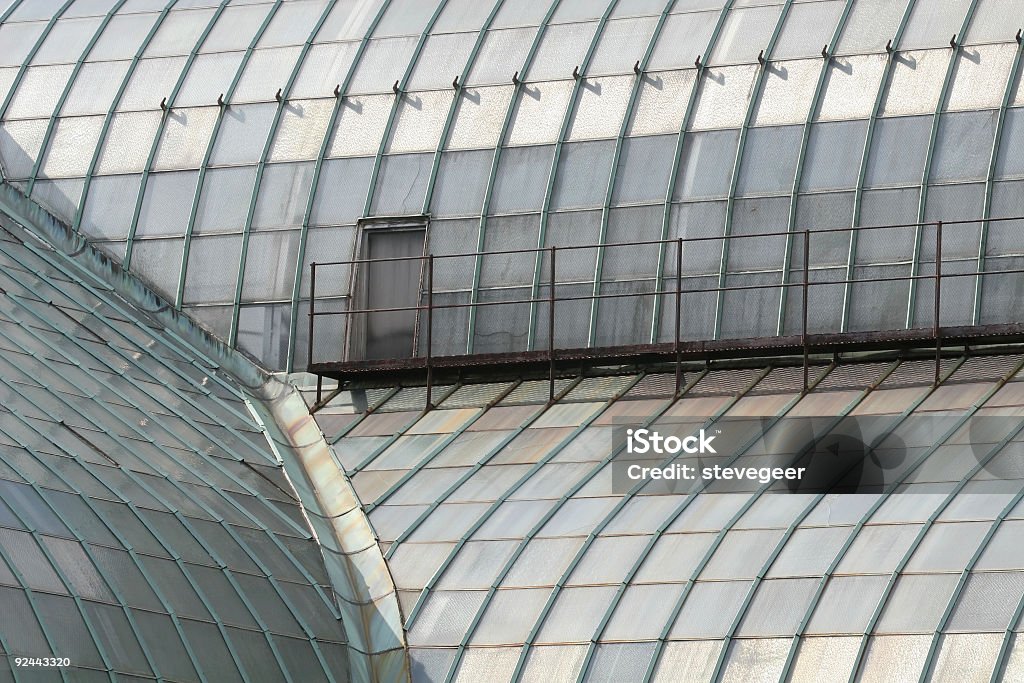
x: 510, y: 112
x: 858, y: 192
x: 482, y: 609
x: 640, y: 71
x: 579, y: 75
x: 459, y: 87
x: 202, y: 504
x: 315, y: 182
x: 261, y: 166
x: 901, y: 565
x: 30, y: 56
x: 52, y: 124
x: 112, y: 110
x: 399, y: 94
x: 812, y: 112
x: 205, y: 165
x: 730, y: 203
x: 1004, y: 104
x: 151, y: 157
x: 955, y: 44
x: 476, y: 467
x: 684, y: 124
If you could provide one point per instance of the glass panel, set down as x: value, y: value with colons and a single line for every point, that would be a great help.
x: 620, y: 662
x: 825, y: 659
x: 575, y: 615
x: 890, y: 658
x: 847, y: 604
x: 750, y: 661
x: 501, y: 50
x: 963, y: 146
x: 916, y: 82
x: 517, y: 184
x: 243, y: 134
x: 539, y: 112
x: 301, y: 130
x: 928, y: 28
x: 979, y: 78
x: 724, y: 94
x: 705, y: 168
x: 808, y: 28
x: 510, y: 616
x: 445, y: 617
x: 619, y: 41
x: 769, y: 160
x: 561, y: 49
x: 872, y: 23
x: 987, y: 602
x: 916, y: 604
x: 710, y: 609
x: 833, y: 155
x: 479, y: 117
x: 442, y: 58
x: 850, y: 87
x: 419, y: 121
x: 582, y: 178
x: 787, y: 91
x: 661, y: 103
x: 693, y: 30
x: 745, y: 33
x: 402, y: 184
x: 600, y: 107
x: 898, y: 152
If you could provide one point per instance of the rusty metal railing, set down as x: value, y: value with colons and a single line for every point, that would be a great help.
x: 427, y: 307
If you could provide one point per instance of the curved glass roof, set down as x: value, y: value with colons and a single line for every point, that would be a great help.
x: 517, y: 557
x: 147, y: 528
x: 202, y: 143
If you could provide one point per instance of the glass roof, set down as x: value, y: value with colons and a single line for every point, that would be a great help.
x: 147, y: 528
x: 514, y: 550
x: 203, y: 144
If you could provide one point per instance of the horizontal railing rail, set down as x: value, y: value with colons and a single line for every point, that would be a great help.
x: 426, y: 306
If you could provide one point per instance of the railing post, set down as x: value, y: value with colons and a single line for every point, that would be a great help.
x: 937, y: 299
x: 551, y: 329
x: 312, y: 315
x: 679, y: 306
x: 803, y: 311
x: 430, y: 329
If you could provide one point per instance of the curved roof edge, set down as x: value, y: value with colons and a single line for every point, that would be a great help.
x: 367, y: 596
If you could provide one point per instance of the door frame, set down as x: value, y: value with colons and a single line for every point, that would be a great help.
x: 355, y: 332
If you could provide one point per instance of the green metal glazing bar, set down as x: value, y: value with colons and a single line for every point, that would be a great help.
x: 481, y: 462
x: 31, y: 56
x: 108, y: 120
x: 436, y: 450
x: 620, y: 505
x: 261, y: 166
x: 459, y: 87
x: 493, y: 507
x: 812, y: 112
x: 684, y: 504
x: 52, y: 124
x: 506, y: 124
x: 684, y: 124
x: 400, y: 90
x: 199, y: 538
x: 398, y: 433
x: 902, y: 564
x: 133, y: 555
x: 167, y: 113
x: 98, y: 640
x: 318, y: 165
x: 205, y: 165
x: 765, y: 61
x: 521, y: 547
x: 1011, y: 81
x: 956, y: 45
x: 641, y: 71
x: 30, y: 597
x: 130, y: 360
x: 858, y: 192
x: 10, y: 10
x: 204, y: 432
x: 999, y: 669
x: 933, y: 649
x: 881, y: 500
x: 779, y: 547
x: 579, y: 76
